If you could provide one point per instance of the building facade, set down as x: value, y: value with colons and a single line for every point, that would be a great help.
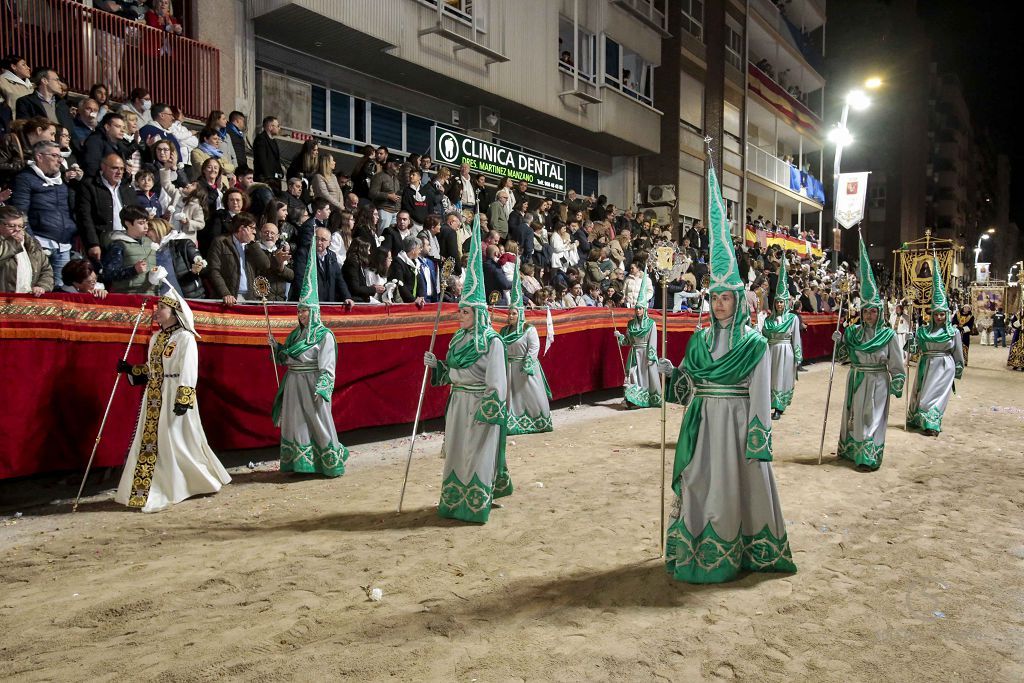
x: 750, y: 79
x: 570, y: 81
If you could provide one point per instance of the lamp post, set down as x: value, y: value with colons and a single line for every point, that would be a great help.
x: 841, y: 137
x: 977, y: 250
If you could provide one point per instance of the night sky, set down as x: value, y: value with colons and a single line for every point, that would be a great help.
x: 983, y: 44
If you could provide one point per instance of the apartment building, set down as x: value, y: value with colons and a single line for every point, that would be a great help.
x: 569, y: 82
x: 750, y: 79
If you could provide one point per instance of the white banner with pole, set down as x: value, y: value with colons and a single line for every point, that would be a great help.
x: 850, y: 198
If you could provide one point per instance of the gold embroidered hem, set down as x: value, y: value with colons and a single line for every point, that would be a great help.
x: 142, y: 479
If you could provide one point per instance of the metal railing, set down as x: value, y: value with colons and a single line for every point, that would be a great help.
x: 768, y: 166
x: 87, y: 46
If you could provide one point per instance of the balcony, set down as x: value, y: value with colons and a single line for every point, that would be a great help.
x: 768, y: 166
x: 782, y: 104
x: 650, y: 12
x: 86, y: 46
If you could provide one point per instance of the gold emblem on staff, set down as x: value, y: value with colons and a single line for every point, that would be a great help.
x: 261, y: 286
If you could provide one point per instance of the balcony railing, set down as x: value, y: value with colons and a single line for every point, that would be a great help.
x: 87, y: 46
x: 774, y: 169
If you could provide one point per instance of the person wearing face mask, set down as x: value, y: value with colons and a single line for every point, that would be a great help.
x: 726, y: 518
x: 876, y: 373
x: 942, y: 361
x: 140, y: 103
x: 169, y: 459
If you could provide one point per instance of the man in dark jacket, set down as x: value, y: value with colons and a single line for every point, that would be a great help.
x: 329, y: 280
x: 494, y: 277
x: 40, y: 193
x: 522, y: 234
x: 236, y: 135
x: 448, y: 240
x: 406, y: 269
x: 583, y: 237
x: 231, y: 272
x: 100, y: 200
x: 47, y: 101
x: 305, y: 239
x: 266, y: 155
x: 103, y: 141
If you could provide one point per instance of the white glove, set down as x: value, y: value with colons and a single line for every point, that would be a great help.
x: 837, y: 336
x: 665, y: 366
x: 430, y: 360
x: 619, y: 337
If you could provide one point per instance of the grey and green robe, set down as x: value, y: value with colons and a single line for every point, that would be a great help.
x: 475, y: 427
x: 302, y: 408
x: 529, y: 409
x: 942, y: 361
x: 642, y: 383
x: 786, y: 352
x: 727, y: 516
x: 876, y: 372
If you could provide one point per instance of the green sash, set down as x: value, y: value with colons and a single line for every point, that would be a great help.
x: 778, y: 324
x: 731, y: 369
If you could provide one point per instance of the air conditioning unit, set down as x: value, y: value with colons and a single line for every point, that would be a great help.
x: 661, y: 193
x: 488, y: 120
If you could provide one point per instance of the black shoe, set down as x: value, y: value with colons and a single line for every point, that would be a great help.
x: 930, y: 432
x: 776, y: 415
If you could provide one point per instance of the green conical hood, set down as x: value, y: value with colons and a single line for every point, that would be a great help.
x: 474, y: 294
x: 309, y: 297
x: 516, y: 301
x: 869, y: 296
x: 939, y: 301
x: 782, y: 286
x: 725, y: 271
x: 643, y: 297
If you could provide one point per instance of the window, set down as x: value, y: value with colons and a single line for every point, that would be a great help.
x: 348, y: 122
x: 733, y: 43
x: 691, y: 109
x: 612, y: 64
x: 572, y: 57
x: 330, y: 113
x: 462, y: 11
x: 693, y: 18
x: 627, y: 72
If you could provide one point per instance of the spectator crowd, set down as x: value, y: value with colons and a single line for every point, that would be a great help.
x: 96, y: 191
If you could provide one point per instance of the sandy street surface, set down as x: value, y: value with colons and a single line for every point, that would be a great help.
x: 913, y: 573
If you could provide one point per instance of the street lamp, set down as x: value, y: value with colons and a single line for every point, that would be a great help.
x: 977, y: 248
x: 841, y: 137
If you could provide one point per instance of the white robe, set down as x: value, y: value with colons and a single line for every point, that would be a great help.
x: 177, y: 462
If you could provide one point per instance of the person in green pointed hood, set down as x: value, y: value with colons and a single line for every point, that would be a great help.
x: 942, y: 361
x: 641, y: 383
x: 476, y: 419
x: 877, y: 372
x: 727, y: 518
x: 302, y: 407
x: 782, y: 330
x: 529, y: 409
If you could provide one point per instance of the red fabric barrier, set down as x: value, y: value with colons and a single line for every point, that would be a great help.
x: 58, y: 355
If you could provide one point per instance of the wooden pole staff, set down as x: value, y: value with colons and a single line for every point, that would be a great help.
x: 664, y: 416
x: 110, y: 402
x: 261, y: 286
x: 443, y: 275
x: 843, y: 288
